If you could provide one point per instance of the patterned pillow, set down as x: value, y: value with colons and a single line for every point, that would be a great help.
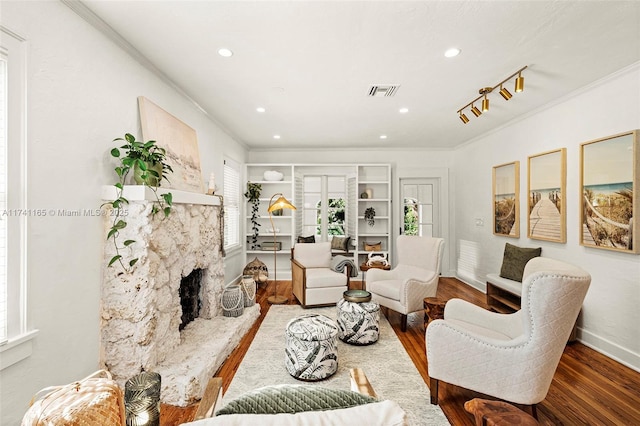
x: 309, y: 239
x: 514, y: 260
x: 340, y: 243
x: 293, y: 399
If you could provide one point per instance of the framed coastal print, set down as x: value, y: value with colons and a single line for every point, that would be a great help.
x: 506, y: 202
x: 180, y: 142
x: 546, y: 204
x: 609, y: 192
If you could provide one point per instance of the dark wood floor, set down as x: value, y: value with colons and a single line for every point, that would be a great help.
x: 587, y: 389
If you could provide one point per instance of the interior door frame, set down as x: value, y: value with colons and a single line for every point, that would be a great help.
x: 440, y: 174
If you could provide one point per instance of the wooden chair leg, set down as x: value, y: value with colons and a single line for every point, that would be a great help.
x: 403, y: 323
x: 433, y: 390
x: 534, y: 411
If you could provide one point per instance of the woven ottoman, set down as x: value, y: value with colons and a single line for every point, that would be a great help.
x: 311, y: 350
x: 358, y: 321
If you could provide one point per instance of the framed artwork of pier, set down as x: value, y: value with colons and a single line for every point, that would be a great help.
x: 506, y: 200
x: 546, y: 205
x: 609, y: 175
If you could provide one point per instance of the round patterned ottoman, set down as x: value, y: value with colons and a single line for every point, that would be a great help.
x: 358, y: 322
x: 311, y: 350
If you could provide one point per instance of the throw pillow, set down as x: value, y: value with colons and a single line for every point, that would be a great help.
x: 340, y: 243
x: 514, y: 260
x: 293, y: 399
x: 309, y: 239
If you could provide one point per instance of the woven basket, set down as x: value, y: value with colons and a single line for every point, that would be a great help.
x: 94, y: 400
x: 232, y: 301
x: 248, y: 290
x: 372, y: 246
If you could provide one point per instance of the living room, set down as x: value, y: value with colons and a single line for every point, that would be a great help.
x: 82, y: 93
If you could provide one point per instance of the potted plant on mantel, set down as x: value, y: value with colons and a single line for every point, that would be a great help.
x: 148, y: 162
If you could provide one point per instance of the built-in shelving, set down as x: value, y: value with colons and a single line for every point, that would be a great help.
x: 374, y: 178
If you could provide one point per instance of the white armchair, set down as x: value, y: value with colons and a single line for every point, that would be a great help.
x: 415, y: 276
x: 314, y: 282
x: 509, y: 356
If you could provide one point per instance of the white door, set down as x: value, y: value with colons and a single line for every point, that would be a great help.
x: 419, y: 210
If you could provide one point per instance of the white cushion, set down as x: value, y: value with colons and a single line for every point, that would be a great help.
x: 505, y: 283
x: 324, y: 277
x: 384, y: 413
x: 387, y: 288
x: 313, y: 255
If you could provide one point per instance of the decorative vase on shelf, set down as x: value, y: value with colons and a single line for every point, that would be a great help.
x: 152, y: 180
x: 273, y: 175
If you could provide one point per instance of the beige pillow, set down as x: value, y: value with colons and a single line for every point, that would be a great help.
x: 340, y: 243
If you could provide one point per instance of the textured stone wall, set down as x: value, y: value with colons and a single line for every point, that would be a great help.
x: 141, y: 309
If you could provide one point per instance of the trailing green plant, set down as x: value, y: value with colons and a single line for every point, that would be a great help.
x: 148, y: 162
x: 370, y: 215
x: 253, y: 195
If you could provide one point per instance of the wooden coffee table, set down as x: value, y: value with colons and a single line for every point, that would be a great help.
x: 433, y: 309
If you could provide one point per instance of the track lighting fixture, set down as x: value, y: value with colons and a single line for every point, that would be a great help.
x: 519, y: 83
x: 504, y: 92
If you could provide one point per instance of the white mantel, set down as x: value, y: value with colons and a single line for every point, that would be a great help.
x: 143, y: 193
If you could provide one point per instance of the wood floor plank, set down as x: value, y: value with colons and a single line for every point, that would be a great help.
x: 587, y: 389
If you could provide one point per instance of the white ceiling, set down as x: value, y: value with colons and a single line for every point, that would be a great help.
x: 311, y: 63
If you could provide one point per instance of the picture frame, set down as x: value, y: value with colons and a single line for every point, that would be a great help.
x: 179, y: 140
x: 506, y: 199
x: 609, y: 192
x: 546, y: 196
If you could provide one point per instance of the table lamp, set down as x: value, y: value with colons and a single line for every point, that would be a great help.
x: 279, y: 204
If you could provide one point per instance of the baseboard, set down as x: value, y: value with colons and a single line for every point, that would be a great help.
x: 471, y: 281
x: 612, y: 350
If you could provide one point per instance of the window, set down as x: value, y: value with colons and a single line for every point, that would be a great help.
x: 320, y: 219
x: 231, y: 194
x: 13, y: 215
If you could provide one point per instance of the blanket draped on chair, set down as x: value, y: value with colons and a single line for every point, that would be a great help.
x: 338, y: 263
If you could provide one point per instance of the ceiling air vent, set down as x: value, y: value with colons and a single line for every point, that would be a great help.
x: 381, y: 90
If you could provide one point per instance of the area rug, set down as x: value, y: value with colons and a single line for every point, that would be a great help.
x: 386, y: 364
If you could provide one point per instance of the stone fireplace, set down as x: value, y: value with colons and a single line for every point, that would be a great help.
x: 143, y: 323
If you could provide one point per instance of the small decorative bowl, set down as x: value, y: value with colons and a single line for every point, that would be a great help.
x: 356, y: 296
x: 273, y: 175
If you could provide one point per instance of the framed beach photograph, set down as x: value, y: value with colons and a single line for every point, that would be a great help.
x: 609, y: 192
x: 506, y: 200
x: 546, y: 204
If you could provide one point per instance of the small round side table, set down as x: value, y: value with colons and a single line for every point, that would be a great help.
x: 433, y: 309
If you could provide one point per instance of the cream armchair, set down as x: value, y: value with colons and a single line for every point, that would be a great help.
x: 514, y: 356
x: 415, y: 277
x: 314, y: 282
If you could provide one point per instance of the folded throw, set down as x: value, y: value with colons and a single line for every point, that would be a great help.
x: 338, y: 263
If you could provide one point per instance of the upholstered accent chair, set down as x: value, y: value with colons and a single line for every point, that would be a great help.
x: 512, y: 357
x: 314, y: 282
x: 403, y: 288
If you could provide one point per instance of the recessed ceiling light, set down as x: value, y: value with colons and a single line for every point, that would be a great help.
x: 276, y: 136
x: 404, y: 110
x: 225, y: 53
x: 453, y: 52
x: 260, y: 109
x: 383, y: 136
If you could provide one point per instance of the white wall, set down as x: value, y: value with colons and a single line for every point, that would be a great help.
x: 404, y: 163
x: 610, y: 315
x: 82, y: 92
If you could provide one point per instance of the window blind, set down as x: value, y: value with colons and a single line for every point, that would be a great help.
x: 231, y: 193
